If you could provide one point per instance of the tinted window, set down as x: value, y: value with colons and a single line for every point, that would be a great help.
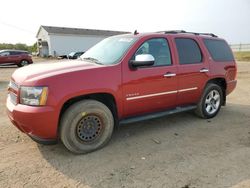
x: 158, y: 48
x: 20, y: 53
x: 17, y: 53
x: 4, y: 53
x: 14, y: 53
x: 188, y: 51
x: 219, y: 50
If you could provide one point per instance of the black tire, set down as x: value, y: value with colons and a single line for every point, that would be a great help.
x: 22, y: 63
x: 204, y: 105
x: 86, y: 126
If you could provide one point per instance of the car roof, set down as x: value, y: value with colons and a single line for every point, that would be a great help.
x: 11, y: 50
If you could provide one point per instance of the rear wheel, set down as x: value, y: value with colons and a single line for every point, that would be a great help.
x: 210, y: 102
x: 86, y: 126
x: 23, y: 63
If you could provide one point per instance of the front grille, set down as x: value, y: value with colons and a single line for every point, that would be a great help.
x: 13, y: 90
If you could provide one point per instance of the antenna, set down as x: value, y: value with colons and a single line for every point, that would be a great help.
x: 135, y: 32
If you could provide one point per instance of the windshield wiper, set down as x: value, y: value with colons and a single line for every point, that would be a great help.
x: 92, y: 59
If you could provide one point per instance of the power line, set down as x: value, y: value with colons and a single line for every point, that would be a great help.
x: 16, y: 27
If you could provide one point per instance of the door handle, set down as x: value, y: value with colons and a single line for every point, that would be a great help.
x: 169, y: 74
x: 204, y: 70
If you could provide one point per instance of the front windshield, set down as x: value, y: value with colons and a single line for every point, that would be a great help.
x: 72, y: 53
x: 110, y: 50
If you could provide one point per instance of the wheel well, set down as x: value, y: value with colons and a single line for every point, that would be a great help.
x: 222, y: 83
x: 104, y: 98
x: 22, y: 60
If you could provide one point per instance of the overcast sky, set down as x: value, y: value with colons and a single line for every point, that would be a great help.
x: 230, y: 19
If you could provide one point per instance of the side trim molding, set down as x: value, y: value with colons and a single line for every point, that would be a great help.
x: 188, y: 89
x: 162, y: 93
x: 151, y: 95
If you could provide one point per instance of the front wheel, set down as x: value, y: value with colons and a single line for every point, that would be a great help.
x: 210, y: 102
x: 86, y: 126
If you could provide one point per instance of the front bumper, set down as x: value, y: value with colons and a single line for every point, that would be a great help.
x: 40, y: 123
x: 42, y: 140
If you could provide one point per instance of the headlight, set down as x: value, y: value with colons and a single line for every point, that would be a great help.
x: 34, y: 96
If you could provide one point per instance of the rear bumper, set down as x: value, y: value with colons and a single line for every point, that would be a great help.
x: 231, y: 85
x: 40, y: 123
x: 30, y: 61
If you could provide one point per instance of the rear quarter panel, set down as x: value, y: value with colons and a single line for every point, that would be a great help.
x: 223, y: 69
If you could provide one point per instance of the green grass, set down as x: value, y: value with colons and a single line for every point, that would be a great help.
x: 242, y: 56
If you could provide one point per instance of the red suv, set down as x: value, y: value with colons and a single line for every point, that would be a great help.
x: 15, y: 57
x: 122, y: 79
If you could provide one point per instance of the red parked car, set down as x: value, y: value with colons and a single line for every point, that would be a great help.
x: 122, y: 79
x: 15, y: 57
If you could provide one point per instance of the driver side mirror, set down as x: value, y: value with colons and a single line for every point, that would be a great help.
x: 142, y: 60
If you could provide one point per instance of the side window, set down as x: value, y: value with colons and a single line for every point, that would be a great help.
x: 219, y: 50
x: 188, y: 50
x: 5, y: 54
x: 158, y: 48
x: 13, y: 53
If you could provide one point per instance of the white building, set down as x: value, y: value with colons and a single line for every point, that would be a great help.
x: 56, y: 41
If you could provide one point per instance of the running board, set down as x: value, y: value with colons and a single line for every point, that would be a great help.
x: 157, y: 114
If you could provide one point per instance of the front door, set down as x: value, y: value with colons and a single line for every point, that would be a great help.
x: 151, y: 88
x: 4, y: 57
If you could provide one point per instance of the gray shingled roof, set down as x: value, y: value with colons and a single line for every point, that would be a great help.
x: 78, y: 31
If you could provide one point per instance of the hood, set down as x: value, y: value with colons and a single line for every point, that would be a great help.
x: 43, y: 70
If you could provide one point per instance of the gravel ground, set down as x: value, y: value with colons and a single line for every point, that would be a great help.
x: 179, y: 151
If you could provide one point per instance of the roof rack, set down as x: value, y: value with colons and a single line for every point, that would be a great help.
x: 185, y: 32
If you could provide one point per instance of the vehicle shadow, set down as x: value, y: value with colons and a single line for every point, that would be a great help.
x: 135, y: 143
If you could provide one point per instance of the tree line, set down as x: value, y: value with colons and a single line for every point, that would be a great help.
x: 19, y: 46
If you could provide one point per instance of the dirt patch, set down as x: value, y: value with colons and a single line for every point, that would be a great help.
x: 3, y: 85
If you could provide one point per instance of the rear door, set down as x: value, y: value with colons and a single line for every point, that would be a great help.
x: 151, y: 88
x: 14, y: 56
x: 193, y: 69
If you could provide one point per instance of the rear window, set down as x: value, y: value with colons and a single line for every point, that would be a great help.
x: 17, y: 53
x: 188, y: 51
x: 14, y: 53
x: 25, y: 53
x: 219, y: 50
